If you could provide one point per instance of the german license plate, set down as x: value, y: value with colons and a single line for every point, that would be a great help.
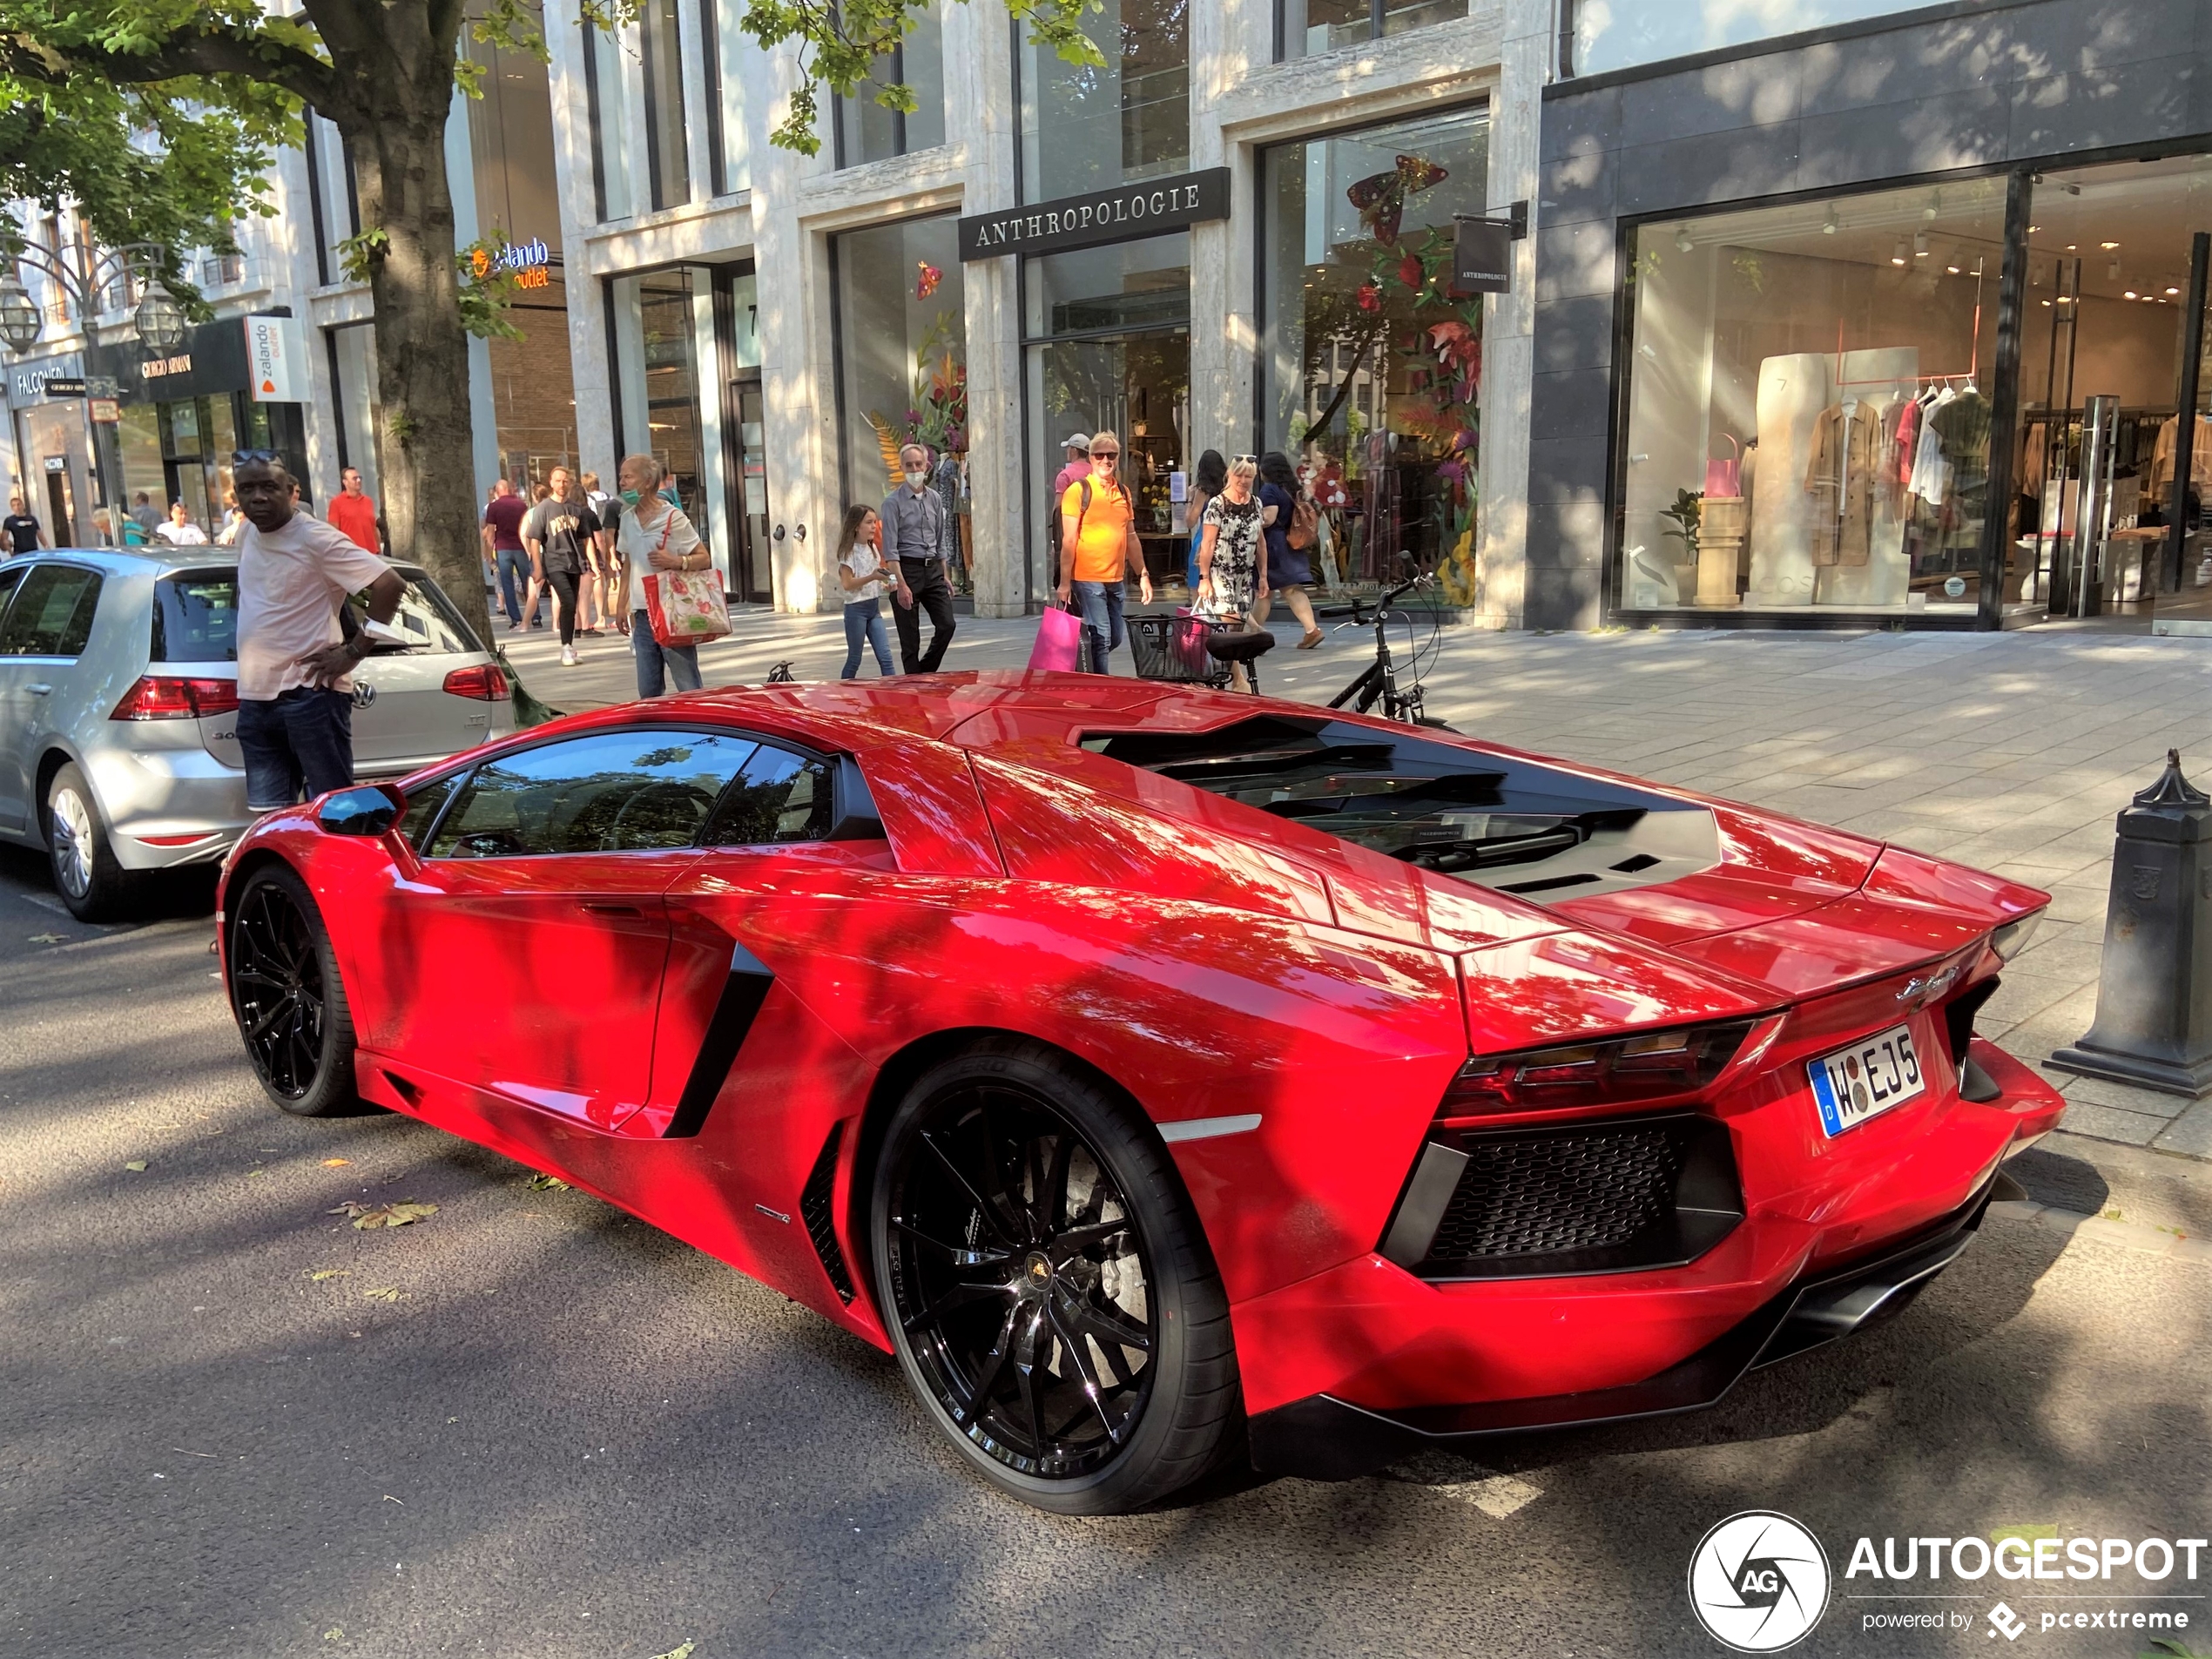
x: 1866, y: 1079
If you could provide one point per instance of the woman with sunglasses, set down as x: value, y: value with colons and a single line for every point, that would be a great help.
x: 1232, y: 555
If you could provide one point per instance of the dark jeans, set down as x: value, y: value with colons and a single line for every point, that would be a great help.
x: 304, y: 737
x: 926, y: 578
x: 657, y: 664
x: 1099, y: 603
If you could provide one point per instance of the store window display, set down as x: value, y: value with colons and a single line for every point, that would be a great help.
x: 1371, y: 373
x: 1808, y: 421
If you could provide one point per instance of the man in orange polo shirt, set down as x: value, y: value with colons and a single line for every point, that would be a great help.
x: 1097, y: 543
x: 352, y: 515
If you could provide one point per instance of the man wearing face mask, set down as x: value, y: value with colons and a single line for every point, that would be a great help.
x: 914, y: 533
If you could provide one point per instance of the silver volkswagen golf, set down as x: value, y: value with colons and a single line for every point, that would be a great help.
x: 119, y: 708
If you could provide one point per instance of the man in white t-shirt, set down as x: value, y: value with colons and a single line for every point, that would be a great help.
x: 295, y: 696
x: 178, y: 531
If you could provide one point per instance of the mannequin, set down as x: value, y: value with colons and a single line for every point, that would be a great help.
x: 1885, y: 378
x: 1792, y: 392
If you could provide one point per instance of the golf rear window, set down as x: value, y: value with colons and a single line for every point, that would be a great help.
x: 195, y: 618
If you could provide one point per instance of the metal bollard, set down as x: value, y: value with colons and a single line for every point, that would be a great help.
x: 2154, y: 1024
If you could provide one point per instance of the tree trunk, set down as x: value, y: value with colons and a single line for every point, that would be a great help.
x: 426, y: 448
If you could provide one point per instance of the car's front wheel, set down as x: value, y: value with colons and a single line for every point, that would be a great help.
x: 1047, y: 1285
x: 285, y: 991
x: 91, y: 883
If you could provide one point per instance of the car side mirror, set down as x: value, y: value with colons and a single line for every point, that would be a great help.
x: 372, y: 809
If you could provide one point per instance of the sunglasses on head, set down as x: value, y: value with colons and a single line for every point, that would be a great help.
x: 246, y: 457
x: 1239, y: 460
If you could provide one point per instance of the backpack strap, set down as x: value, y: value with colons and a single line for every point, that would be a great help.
x: 1083, y: 512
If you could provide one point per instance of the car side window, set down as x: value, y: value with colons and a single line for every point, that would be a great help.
x: 611, y: 791
x: 780, y: 796
x: 10, y: 575
x: 52, y: 614
x: 423, y: 804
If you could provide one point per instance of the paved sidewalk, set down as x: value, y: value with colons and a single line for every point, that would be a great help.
x: 2009, y: 752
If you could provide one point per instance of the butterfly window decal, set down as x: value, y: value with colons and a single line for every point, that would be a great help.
x: 1381, y: 196
x: 927, y: 276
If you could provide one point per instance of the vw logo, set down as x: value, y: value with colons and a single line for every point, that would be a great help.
x: 364, y: 694
x: 1759, y: 1581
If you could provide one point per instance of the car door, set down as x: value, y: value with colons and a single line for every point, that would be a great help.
x: 525, y: 957
x: 48, y: 622
x: 11, y: 716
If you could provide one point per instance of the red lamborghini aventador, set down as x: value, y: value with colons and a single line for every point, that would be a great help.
x: 1144, y: 1064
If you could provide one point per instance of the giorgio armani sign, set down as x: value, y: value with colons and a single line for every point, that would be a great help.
x: 1120, y: 213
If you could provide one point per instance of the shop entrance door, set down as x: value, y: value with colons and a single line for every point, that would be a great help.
x: 2106, y: 321
x: 1137, y: 386
x: 61, y: 503
x: 751, y: 557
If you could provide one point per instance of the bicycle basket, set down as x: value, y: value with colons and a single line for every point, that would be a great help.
x: 1173, y: 649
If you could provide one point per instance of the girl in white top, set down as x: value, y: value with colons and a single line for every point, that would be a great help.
x: 861, y: 573
x: 654, y: 535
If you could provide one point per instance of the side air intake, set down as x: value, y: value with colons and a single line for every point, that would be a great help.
x: 814, y: 1207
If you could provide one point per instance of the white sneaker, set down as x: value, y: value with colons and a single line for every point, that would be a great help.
x: 567, y: 656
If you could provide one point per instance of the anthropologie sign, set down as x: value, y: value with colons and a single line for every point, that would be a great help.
x: 1119, y: 214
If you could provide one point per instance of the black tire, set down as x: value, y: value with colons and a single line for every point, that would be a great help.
x: 982, y: 1253
x: 90, y: 882
x: 287, y: 996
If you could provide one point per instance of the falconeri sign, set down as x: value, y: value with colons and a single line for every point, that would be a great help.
x: 1118, y: 214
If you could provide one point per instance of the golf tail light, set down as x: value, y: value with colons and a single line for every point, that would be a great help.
x: 172, y: 696
x: 1657, y: 1065
x: 484, y: 682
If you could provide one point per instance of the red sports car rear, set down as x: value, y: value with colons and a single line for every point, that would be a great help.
x: 1128, y: 1058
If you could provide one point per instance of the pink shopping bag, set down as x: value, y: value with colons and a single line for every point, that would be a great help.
x: 1060, y: 642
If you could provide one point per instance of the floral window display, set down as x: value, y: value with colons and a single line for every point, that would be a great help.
x: 1371, y: 373
x: 902, y: 363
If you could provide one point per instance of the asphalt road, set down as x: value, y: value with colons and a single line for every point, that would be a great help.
x: 230, y: 1424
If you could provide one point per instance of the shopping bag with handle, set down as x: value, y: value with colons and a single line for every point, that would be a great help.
x: 686, y: 606
x: 1060, y: 642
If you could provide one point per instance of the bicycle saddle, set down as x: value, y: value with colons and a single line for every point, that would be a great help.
x: 1239, y: 647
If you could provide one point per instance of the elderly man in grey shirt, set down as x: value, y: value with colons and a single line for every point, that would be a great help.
x: 914, y: 533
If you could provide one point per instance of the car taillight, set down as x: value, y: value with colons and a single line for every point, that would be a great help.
x: 485, y: 682
x: 172, y: 696
x: 1657, y: 1065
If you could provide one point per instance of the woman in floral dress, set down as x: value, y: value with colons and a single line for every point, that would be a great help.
x: 1232, y: 568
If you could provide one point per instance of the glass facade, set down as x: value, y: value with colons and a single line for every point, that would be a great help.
x: 866, y: 130
x: 1307, y: 28
x: 729, y: 153
x: 354, y: 352
x: 1809, y: 408
x: 1616, y: 34
x: 1370, y: 375
x: 608, y: 110
x: 668, y: 166
x: 1083, y: 128
x: 510, y: 150
x: 1108, y: 347
x: 901, y: 349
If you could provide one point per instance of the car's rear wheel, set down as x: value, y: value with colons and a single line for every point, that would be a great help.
x: 90, y: 882
x: 285, y: 991
x: 1047, y: 1284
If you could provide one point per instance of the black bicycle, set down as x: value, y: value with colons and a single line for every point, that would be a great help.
x: 1378, y: 682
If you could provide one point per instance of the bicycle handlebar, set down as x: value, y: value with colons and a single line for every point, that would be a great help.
x: 1383, y: 604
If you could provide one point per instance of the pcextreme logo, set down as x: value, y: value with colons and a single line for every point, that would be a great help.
x: 1759, y: 1581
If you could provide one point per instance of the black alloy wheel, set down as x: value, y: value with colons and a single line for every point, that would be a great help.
x: 1047, y: 1286
x: 285, y: 992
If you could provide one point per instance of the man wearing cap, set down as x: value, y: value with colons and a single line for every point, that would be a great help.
x: 1077, y: 445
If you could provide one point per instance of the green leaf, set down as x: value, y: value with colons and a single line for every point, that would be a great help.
x: 137, y: 1166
